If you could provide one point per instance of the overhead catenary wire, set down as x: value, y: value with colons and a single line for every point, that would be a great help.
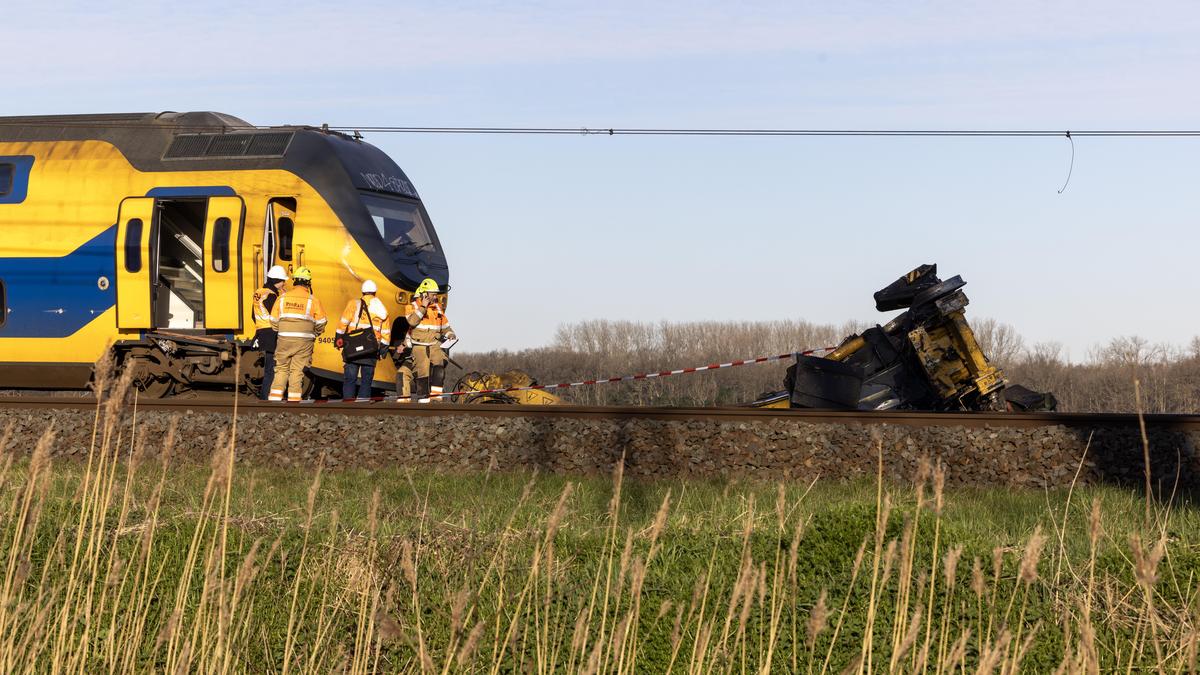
x: 613, y: 131
x: 356, y: 131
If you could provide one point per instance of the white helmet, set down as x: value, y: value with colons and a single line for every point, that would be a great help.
x: 369, y: 287
x: 278, y: 273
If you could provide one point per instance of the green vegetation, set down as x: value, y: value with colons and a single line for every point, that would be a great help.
x: 126, y: 562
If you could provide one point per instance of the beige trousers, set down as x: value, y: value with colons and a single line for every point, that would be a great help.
x: 426, y: 356
x: 404, y: 377
x: 292, y: 356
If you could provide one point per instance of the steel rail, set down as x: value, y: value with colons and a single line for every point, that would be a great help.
x: 224, y: 405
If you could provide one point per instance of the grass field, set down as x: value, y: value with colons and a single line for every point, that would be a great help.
x: 124, y: 562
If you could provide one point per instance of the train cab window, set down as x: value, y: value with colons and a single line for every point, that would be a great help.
x: 401, y: 225
x: 3, y: 304
x: 7, y: 172
x: 220, y: 245
x: 133, y: 246
x: 286, y: 227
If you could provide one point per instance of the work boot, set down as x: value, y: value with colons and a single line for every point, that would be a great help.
x: 437, y: 376
x: 403, y: 391
x: 421, y: 390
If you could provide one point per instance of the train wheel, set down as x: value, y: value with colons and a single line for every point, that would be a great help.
x: 252, y: 374
x: 251, y: 386
x: 150, y: 379
x: 155, y: 387
x: 315, y: 387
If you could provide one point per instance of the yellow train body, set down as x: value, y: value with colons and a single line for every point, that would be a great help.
x: 150, y: 233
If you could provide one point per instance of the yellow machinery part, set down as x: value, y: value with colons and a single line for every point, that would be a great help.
x: 513, y: 378
x: 536, y: 397
x: 953, y: 360
x: 846, y: 349
x: 987, y: 377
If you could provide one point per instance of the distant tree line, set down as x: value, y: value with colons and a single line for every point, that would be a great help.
x: 1169, y: 375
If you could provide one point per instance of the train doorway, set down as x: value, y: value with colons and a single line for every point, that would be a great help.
x: 178, y: 278
x: 179, y: 264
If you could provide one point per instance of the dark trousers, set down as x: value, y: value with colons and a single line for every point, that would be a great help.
x: 356, y: 379
x: 268, y: 374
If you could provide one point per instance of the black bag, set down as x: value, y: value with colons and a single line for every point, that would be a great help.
x: 265, y: 340
x: 361, y: 344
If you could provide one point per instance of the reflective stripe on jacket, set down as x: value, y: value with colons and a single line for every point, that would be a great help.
x: 297, y: 313
x: 261, y: 305
x: 363, y: 312
x: 428, y: 325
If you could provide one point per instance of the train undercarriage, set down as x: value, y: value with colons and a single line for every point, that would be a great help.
x: 166, y: 363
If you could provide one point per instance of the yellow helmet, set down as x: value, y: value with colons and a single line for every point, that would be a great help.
x: 302, y: 274
x: 427, y: 286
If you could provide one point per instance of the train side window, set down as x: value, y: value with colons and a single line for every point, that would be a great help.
x: 220, y: 245
x: 133, y: 246
x: 286, y: 226
x: 7, y: 172
x: 3, y: 304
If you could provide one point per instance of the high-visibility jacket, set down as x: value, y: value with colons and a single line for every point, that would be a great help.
x: 297, y: 313
x: 429, y: 325
x: 264, y: 299
x: 366, y: 311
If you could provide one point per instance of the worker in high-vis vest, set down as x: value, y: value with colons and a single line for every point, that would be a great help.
x: 298, y: 318
x: 428, y: 327
x: 363, y: 313
x: 264, y: 335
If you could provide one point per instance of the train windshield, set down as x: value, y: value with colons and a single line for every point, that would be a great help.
x: 402, y: 226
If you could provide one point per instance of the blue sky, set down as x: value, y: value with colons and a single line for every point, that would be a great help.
x: 559, y: 229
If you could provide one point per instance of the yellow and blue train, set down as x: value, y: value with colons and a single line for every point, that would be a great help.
x: 147, y: 233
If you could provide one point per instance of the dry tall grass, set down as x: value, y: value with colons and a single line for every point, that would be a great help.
x: 112, y: 580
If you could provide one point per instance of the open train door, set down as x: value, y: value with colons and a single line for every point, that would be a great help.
x: 281, y: 227
x: 223, y: 263
x: 135, y: 223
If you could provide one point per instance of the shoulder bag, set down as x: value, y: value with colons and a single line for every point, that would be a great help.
x: 361, y: 344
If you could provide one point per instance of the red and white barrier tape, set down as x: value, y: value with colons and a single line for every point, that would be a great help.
x: 610, y: 380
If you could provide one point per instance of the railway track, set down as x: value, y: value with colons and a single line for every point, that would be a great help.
x: 225, y: 404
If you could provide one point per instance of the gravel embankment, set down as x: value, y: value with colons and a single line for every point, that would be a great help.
x: 767, y: 449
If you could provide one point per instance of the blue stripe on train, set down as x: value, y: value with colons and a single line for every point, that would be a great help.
x: 55, y: 297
